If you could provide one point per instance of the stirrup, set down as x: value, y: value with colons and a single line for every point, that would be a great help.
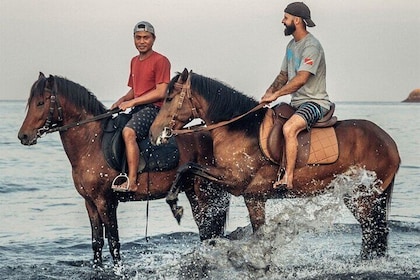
x: 118, y: 181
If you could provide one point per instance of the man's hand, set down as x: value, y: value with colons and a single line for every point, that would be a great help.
x: 268, y: 97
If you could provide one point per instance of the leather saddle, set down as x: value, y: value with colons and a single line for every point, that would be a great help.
x: 318, y: 146
x: 152, y: 158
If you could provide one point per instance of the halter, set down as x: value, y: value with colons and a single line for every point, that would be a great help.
x: 50, y: 127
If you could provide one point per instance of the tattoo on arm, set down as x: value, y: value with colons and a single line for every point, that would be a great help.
x: 280, y: 81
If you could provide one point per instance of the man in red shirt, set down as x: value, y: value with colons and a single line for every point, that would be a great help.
x: 148, y: 81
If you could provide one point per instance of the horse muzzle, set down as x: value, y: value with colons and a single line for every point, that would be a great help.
x: 28, y: 139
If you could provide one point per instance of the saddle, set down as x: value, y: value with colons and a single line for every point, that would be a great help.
x: 318, y: 146
x: 152, y: 158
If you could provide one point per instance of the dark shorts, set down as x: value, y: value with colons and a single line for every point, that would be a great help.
x: 141, y: 120
x: 311, y: 112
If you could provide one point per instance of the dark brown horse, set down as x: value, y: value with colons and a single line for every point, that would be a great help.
x: 57, y: 104
x: 244, y: 170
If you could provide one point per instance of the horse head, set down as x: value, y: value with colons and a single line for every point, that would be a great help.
x: 41, y: 113
x: 177, y: 110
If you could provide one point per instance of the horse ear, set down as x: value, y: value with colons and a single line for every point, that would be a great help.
x: 41, y: 76
x: 184, y: 75
x: 50, y: 82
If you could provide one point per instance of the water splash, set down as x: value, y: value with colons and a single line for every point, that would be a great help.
x: 281, y: 246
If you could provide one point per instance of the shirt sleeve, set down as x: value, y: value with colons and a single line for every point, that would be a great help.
x: 311, y: 56
x: 285, y: 62
x: 130, y: 82
x: 163, y: 71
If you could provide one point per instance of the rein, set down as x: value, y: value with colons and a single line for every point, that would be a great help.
x: 50, y: 127
x: 216, y: 125
x: 186, y: 91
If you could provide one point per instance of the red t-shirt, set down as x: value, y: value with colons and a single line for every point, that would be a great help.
x: 146, y: 74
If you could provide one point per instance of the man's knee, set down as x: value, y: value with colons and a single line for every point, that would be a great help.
x: 288, y: 130
x: 293, y: 126
x: 128, y: 134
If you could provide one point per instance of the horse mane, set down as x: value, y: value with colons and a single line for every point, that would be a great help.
x: 75, y: 93
x: 79, y: 96
x: 225, y: 102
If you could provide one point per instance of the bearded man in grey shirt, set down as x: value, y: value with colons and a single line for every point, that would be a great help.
x: 303, y: 75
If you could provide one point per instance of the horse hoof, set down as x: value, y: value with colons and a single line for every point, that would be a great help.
x: 118, y: 268
x: 179, y: 212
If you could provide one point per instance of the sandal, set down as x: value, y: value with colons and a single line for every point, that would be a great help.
x: 278, y: 183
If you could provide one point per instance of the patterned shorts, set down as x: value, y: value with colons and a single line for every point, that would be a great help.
x: 141, y: 120
x: 311, y: 112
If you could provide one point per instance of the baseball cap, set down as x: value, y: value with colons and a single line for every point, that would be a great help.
x: 299, y: 9
x: 144, y: 26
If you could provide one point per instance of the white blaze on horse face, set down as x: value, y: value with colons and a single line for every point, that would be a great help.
x: 164, y: 136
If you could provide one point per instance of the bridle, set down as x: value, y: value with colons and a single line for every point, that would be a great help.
x: 185, y: 92
x: 50, y: 127
x: 169, y: 131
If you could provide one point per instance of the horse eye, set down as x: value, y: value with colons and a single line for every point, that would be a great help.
x: 40, y: 103
x: 169, y: 99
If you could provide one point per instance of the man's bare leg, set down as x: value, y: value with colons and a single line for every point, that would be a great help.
x: 132, y: 154
x: 291, y: 130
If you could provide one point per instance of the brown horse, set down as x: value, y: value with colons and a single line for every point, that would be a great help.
x: 244, y: 170
x: 57, y: 104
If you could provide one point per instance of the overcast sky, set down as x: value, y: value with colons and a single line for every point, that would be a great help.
x: 372, y: 46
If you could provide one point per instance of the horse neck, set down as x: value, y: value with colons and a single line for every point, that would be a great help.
x: 217, y: 108
x: 82, y: 140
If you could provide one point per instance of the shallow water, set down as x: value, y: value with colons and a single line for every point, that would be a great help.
x: 45, y: 231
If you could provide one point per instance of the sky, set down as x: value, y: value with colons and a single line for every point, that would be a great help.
x: 372, y: 47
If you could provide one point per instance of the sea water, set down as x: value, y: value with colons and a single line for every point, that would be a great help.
x: 45, y: 231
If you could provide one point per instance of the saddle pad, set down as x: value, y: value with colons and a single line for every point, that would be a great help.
x: 324, y: 146
x: 320, y: 146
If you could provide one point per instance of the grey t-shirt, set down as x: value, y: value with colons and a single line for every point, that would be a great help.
x: 307, y: 55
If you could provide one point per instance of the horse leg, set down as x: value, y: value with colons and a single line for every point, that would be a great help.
x: 111, y: 231
x: 371, y: 212
x: 210, y: 208
x: 97, y: 232
x: 172, y: 196
x: 107, y: 212
x: 256, y: 210
x: 214, y: 203
x: 379, y: 225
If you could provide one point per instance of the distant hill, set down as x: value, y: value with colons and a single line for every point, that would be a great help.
x: 414, y: 96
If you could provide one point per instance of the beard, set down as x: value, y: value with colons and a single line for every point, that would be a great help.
x: 289, y: 29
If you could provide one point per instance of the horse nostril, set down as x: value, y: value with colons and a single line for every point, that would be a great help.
x: 24, y: 139
x: 22, y: 136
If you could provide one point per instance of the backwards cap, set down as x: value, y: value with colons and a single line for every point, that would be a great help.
x: 299, y: 9
x: 144, y: 26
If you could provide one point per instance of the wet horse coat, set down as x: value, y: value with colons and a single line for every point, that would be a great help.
x: 243, y: 169
x: 57, y: 104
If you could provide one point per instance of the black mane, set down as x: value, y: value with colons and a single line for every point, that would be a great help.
x: 225, y: 102
x: 73, y: 92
